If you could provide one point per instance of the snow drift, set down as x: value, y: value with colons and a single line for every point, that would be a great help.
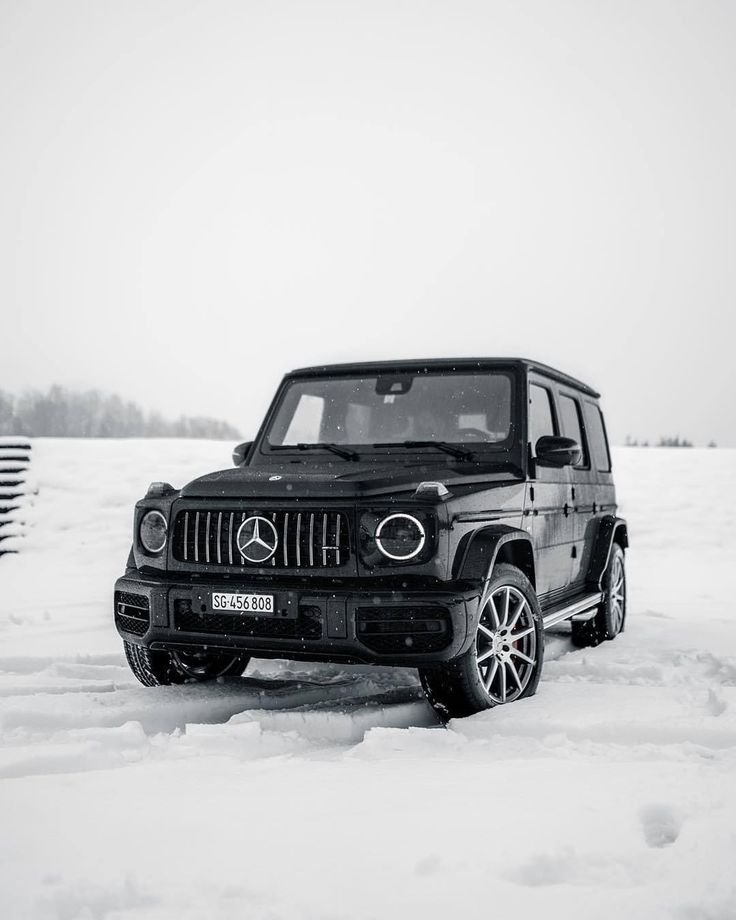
x: 325, y: 792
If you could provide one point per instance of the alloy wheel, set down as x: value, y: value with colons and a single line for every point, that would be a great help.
x: 617, y: 595
x: 506, y: 644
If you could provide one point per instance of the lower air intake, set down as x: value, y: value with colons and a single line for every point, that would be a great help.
x: 403, y: 630
x: 132, y: 613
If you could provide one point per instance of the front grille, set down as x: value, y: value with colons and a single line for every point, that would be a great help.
x: 307, y: 625
x: 305, y: 539
x: 132, y: 613
x: 403, y: 630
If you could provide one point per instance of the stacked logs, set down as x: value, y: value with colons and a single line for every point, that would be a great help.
x: 15, y: 489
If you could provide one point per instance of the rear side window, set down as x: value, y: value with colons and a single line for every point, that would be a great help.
x: 541, y: 417
x: 572, y: 426
x: 597, y: 439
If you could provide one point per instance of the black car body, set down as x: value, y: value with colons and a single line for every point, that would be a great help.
x: 526, y: 485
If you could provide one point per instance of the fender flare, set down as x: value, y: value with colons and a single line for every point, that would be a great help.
x: 611, y: 530
x: 479, y: 550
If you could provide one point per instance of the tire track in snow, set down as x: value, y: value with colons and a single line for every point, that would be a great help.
x: 77, y: 730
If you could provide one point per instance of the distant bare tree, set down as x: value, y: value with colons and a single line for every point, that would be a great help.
x: 8, y: 423
x: 677, y: 441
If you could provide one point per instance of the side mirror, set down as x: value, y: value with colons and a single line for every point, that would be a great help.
x: 555, y: 451
x: 241, y: 452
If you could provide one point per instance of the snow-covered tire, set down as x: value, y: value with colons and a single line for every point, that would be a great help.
x: 610, y: 619
x: 157, y: 668
x: 504, y: 663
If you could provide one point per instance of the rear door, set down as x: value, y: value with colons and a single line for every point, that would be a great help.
x: 582, y: 483
x: 549, y: 507
x: 603, y: 497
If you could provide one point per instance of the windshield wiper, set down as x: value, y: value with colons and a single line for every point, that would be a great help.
x: 324, y: 445
x: 460, y: 452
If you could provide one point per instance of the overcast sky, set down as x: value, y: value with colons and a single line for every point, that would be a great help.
x: 198, y: 196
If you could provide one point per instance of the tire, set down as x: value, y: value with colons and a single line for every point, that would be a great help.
x: 157, y: 669
x: 610, y: 619
x: 504, y: 662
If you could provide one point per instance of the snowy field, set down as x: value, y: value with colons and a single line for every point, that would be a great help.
x: 322, y: 792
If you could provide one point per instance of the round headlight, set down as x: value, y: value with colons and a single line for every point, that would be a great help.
x: 153, y: 531
x: 400, y: 537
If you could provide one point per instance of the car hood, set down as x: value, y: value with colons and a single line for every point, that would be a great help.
x: 346, y: 481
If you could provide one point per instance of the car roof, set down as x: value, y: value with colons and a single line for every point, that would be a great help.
x: 382, y: 367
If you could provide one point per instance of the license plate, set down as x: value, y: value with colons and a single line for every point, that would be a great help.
x: 261, y: 604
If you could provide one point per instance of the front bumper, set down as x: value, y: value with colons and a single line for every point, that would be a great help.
x: 401, y: 628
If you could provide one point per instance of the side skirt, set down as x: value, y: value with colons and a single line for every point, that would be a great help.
x: 584, y: 608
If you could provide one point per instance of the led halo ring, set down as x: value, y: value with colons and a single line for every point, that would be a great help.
x: 148, y: 514
x: 416, y: 522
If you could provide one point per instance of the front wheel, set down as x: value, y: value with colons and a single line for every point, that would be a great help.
x: 158, y: 668
x: 504, y: 662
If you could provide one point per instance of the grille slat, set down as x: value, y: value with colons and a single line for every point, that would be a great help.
x: 298, y: 539
x: 307, y: 539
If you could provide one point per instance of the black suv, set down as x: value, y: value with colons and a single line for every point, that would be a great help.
x: 435, y: 514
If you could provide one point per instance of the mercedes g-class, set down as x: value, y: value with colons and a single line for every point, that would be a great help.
x: 434, y: 514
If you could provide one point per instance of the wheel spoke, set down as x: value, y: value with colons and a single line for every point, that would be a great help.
x: 494, y: 612
x: 506, y: 602
x: 487, y: 654
x: 517, y: 614
x: 515, y: 651
x: 523, y: 634
x: 512, y: 668
x: 486, y: 631
x: 491, y: 674
x: 503, y: 682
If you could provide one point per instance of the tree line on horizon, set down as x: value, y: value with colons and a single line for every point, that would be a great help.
x: 62, y: 413
x: 675, y: 441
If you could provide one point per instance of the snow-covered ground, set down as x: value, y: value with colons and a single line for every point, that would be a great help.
x: 322, y: 792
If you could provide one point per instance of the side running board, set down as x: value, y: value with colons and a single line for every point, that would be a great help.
x: 584, y: 605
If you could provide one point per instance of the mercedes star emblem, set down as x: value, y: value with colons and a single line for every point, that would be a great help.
x: 257, y: 539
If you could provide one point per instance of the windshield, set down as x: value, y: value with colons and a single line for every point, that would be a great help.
x: 392, y: 409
